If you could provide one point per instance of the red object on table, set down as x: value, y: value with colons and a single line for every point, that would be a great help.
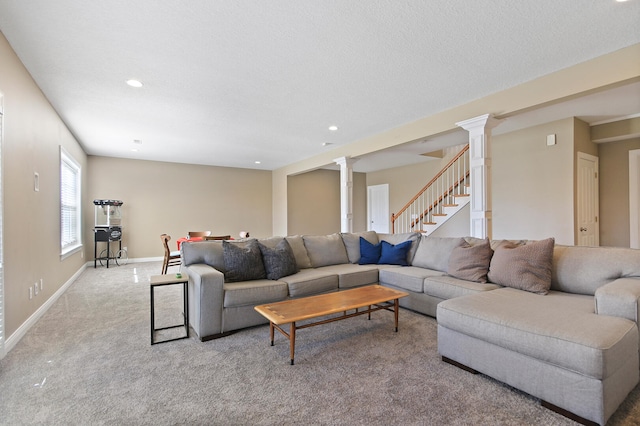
x: 185, y: 239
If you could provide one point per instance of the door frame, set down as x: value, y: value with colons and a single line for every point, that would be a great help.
x: 634, y: 198
x: 596, y: 160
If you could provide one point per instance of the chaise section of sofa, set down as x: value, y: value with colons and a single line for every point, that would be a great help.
x: 575, y: 348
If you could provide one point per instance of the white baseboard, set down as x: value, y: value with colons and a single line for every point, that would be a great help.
x: 12, y: 340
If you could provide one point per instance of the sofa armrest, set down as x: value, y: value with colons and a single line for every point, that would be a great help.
x: 619, y: 298
x: 206, y: 299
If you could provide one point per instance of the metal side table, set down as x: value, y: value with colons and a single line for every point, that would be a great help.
x: 170, y: 279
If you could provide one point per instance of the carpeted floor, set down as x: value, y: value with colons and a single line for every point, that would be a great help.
x: 88, y: 361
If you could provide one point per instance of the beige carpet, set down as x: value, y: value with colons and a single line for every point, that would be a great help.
x: 88, y: 361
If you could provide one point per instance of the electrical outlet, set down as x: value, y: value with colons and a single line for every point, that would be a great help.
x: 41, y: 284
x: 30, y: 293
x: 35, y: 289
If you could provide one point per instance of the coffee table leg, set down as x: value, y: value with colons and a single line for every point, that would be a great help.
x: 271, y: 331
x: 292, y: 340
x: 396, y: 306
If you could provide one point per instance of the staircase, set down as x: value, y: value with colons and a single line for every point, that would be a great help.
x: 439, y: 200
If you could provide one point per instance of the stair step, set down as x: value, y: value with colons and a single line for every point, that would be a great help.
x: 429, y: 223
x: 439, y: 214
x: 461, y: 195
x: 450, y: 205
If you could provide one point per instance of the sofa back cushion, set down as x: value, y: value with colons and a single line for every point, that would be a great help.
x: 325, y: 250
x: 523, y: 266
x: 351, y: 242
x: 433, y: 252
x: 396, y: 239
x: 583, y: 270
x: 209, y: 252
x: 299, y: 251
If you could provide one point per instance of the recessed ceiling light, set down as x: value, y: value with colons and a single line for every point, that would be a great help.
x: 333, y: 128
x: 257, y: 162
x: 326, y: 143
x: 134, y: 83
x: 134, y: 149
x: 137, y: 141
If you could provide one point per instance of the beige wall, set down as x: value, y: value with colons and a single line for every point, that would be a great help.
x: 177, y: 198
x: 457, y: 226
x: 614, y: 192
x: 533, y: 183
x: 314, y: 203
x: 33, y: 134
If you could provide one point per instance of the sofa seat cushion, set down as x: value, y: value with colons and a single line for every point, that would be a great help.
x: 407, y: 278
x: 561, y: 329
x: 311, y: 281
x: 254, y: 292
x: 352, y: 275
x: 447, y: 287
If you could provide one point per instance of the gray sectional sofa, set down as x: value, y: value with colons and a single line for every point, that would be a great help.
x: 558, y: 322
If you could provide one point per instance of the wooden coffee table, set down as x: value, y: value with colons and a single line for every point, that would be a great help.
x: 372, y: 298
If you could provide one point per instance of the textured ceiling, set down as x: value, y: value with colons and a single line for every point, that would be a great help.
x: 229, y: 83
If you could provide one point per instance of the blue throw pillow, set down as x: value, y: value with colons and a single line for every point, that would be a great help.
x: 369, y: 253
x: 394, y: 255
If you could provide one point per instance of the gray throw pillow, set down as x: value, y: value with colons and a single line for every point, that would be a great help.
x: 242, y: 263
x: 471, y: 262
x: 278, y: 261
x: 525, y: 267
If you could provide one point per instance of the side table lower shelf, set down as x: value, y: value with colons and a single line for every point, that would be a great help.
x: 170, y: 279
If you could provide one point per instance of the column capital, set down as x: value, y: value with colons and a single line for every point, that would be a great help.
x: 345, y: 161
x: 486, y: 122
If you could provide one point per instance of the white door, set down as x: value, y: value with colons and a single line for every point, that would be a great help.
x: 378, y: 208
x: 634, y: 198
x: 588, y: 201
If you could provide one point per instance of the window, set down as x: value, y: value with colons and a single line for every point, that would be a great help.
x: 70, y: 211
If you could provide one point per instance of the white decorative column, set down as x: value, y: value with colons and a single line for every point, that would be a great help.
x: 479, y: 129
x: 346, y: 192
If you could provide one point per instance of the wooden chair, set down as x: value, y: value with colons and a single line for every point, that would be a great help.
x: 171, y: 258
x: 216, y: 237
x: 199, y: 234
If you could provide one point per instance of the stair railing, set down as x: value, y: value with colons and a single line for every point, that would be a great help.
x: 440, y: 192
